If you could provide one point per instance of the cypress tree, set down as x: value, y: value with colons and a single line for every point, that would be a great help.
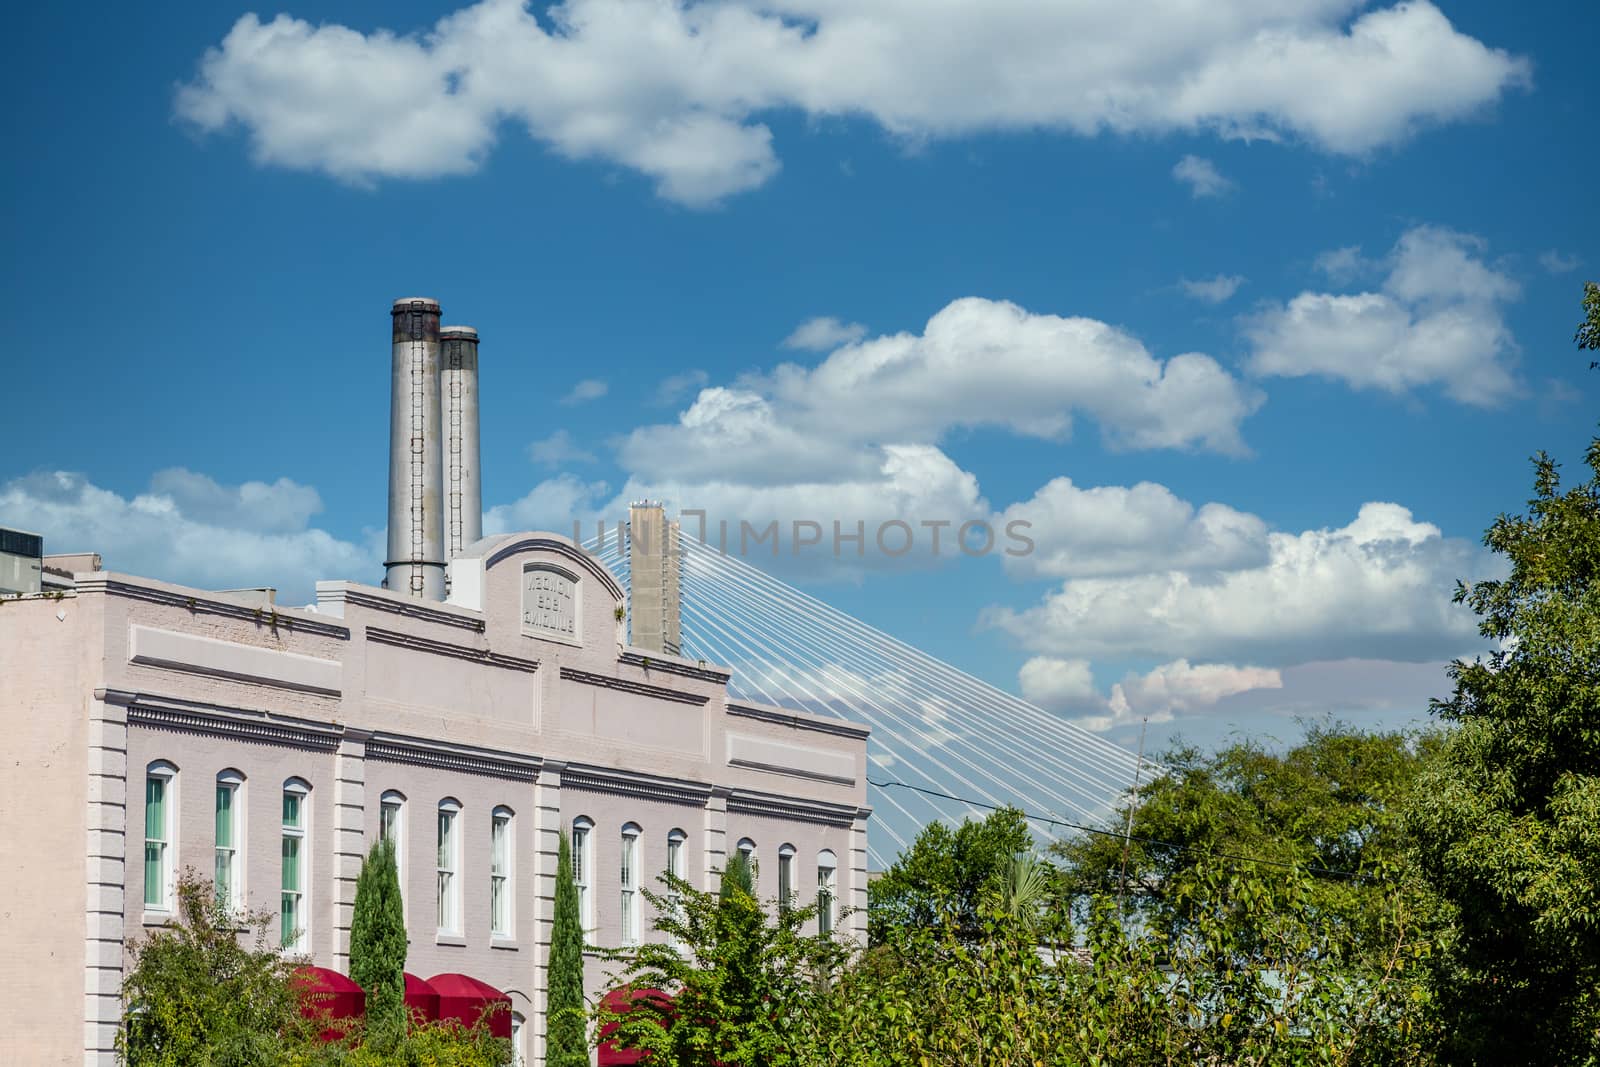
x: 567, y: 1044
x: 378, y: 940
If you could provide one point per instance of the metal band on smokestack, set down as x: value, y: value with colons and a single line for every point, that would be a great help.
x: 463, y: 486
x: 416, y: 470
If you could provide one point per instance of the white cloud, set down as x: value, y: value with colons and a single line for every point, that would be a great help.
x: 1437, y: 319
x: 1201, y: 176
x: 585, y: 391
x: 674, y: 386
x: 673, y: 89
x: 554, y: 505
x: 976, y: 363
x: 1345, y: 265
x: 1170, y: 689
x: 824, y: 334
x: 1557, y: 262
x: 557, y: 449
x: 1378, y: 587
x: 1213, y: 290
x: 192, y: 530
x: 1110, y: 529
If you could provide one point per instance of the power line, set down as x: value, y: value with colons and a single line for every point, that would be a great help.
x: 1324, y: 872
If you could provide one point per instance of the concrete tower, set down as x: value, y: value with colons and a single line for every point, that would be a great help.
x: 416, y: 563
x: 653, y: 573
x: 463, y: 486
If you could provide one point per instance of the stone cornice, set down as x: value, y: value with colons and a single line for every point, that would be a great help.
x: 558, y: 545
x: 748, y: 802
x: 606, y: 681
x: 783, y: 717
x: 260, y: 727
x: 444, y: 648
x: 630, y: 784
x: 354, y: 596
x: 295, y: 622
x: 674, y: 666
x: 421, y: 751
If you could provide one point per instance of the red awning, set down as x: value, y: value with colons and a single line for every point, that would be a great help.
x: 422, y: 1000
x: 331, y: 995
x: 620, y: 1001
x: 464, y: 998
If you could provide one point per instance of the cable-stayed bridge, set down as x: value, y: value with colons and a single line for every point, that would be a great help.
x: 935, y: 728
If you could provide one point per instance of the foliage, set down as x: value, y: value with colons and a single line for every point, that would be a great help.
x: 945, y: 874
x: 746, y: 982
x: 195, y: 994
x: 566, y: 1042
x: 1588, y: 335
x: 378, y: 939
x: 1332, y: 805
x: 435, y: 1044
x: 1509, y: 833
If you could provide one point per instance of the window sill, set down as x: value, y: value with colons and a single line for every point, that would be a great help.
x: 507, y: 943
x: 158, y: 917
x: 453, y: 940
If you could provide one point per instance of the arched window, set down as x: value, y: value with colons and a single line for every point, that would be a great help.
x: 160, y: 834
x: 226, y: 874
x: 294, y: 917
x: 448, y: 866
x: 827, y: 890
x: 675, y: 861
x: 502, y: 861
x: 629, y: 881
x: 785, y: 877
x: 519, y: 1048
x: 392, y: 828
x: 582, y: 864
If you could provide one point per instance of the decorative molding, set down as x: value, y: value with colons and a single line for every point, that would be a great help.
x: 444, y: 648
x: 420, y: 751
x: 630, y: 784
x: 260, y: 727
x: 793, y: 772
x: 353, y: 596
x: 560, y: 546
x: 606, y: 681
x: 749, y: 802
x: 782, y: 717
x: 674, y: 666
x: 295, y: 622
x: 174, y: 650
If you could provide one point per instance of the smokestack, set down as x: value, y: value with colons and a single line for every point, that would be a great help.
x: 463, y: 485
x: 416, y: 470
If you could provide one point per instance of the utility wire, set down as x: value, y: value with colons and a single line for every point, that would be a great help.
x: 1323, y: 872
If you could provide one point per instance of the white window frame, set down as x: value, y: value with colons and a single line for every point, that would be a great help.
x: 396, y: 800
x: 447, y: 867
x: 301, y: 833
x: 785, y: 877
x: 827, y: 891
x: 628, y: 863
x: 230, y: 857
x: 167, y: 845
x: 519, y: 1030
x: 676, y: 841
x: 502, y: 869
x: 582, y: 872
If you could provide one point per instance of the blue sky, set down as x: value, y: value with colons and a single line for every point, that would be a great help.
x: 1384, y: 215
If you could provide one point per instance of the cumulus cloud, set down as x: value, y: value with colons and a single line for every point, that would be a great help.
x: 1202, y: 177
x: 674, y: 386
x: 976, y: 363
x: 585, y: 391
x: 674, y: 89
x: 557, y: 449
x: 1111, y: 529
x: 1213, y: 290
x: 1437, y: 319
x: 188, y: 528
x: 824, y: 334
x: 554, y: 505
x: 1160, y: 694
x: 1377, y: 587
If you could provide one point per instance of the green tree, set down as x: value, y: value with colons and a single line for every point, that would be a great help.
x: 1332, y: 805
x: 945, y: 874
x: 566, y: 1024
x: 1588, y: 336
x: 378, y: 940
x: 194, y: 994
x: 1508, y: 822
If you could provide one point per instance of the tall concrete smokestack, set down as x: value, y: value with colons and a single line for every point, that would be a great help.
x: 463, y: 485
x: 416, y: 563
